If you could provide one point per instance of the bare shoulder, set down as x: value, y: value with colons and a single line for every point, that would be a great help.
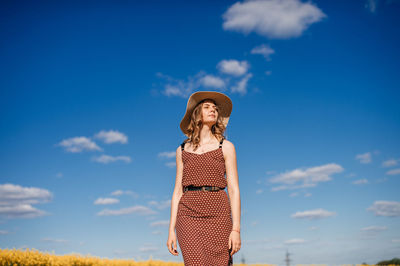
x: 179, y: 161
x: 228, y: 148
x: 178, y: 151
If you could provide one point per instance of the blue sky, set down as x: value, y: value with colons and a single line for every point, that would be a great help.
x: 92, y: 94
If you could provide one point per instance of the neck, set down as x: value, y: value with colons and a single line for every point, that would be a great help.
x: 205, y: 134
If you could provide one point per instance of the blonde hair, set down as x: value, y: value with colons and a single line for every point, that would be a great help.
x: 195, y: 125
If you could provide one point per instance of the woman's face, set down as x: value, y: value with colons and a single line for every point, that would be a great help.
x: 209, y: 112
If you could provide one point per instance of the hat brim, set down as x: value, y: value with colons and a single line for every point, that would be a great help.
x: 224, y: 103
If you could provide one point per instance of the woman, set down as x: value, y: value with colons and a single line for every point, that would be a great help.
x: 207, y: 223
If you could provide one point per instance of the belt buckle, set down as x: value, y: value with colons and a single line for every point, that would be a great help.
x: 203, y: 188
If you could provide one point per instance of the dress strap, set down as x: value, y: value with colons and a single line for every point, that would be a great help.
x: 183, y: 146
x: 220, y: 143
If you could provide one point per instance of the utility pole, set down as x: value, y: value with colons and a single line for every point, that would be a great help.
x: 287, y: 259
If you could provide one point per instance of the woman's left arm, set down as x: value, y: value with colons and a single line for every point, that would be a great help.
x: 233, y: 191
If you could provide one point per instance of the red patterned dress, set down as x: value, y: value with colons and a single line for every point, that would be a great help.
x: 204, y: 220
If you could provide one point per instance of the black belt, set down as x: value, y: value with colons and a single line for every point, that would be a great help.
x: 203, y: 188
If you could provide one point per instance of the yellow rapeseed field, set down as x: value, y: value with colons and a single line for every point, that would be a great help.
x: 32, y: 257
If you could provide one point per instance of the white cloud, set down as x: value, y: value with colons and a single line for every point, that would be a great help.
x: 112, y: 136
x: 364, y: 158
x: 211, y: 81
x: 380, y: 180
x: 393, y: 172
x: 313, y: 214
x: 105, y: 159
x: 104, y: 201
x: 10, y: 194
x: 390, y: 162
x: 371, y: 5
x: 181, y: 88
x: 385, y: 208
x: 241, y: 86
x: 117, y: 193
x: 20, y: 211
x: 167, y: 154
x: 4, y: 232
x: 122, y: 192
x: 171, y: 90
x: 308, y: 177
x: 15, y: 201
x: 374, y: 228
x: 294, y: 241
x: 162, y: 223
x: 279, y: 19
x: 171, y: 164
x: 263, y: 49
x: 142, y: 210
x: 79, y: 144
x: 284, y: 187
x: 233, y: 67
x: 161, y: 204
x: 360, y: 181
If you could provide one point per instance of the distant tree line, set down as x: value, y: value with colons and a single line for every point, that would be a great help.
x: 394, y: 261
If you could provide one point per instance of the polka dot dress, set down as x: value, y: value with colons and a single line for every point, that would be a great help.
x: 204, y: 220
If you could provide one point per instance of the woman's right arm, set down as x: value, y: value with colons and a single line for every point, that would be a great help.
x: 176, y: 196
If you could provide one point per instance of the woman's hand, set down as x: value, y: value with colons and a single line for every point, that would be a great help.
x: 234, y: 242
x: 171, y: 243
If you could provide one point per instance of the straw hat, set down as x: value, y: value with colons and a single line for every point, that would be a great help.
x: 224, y: 103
